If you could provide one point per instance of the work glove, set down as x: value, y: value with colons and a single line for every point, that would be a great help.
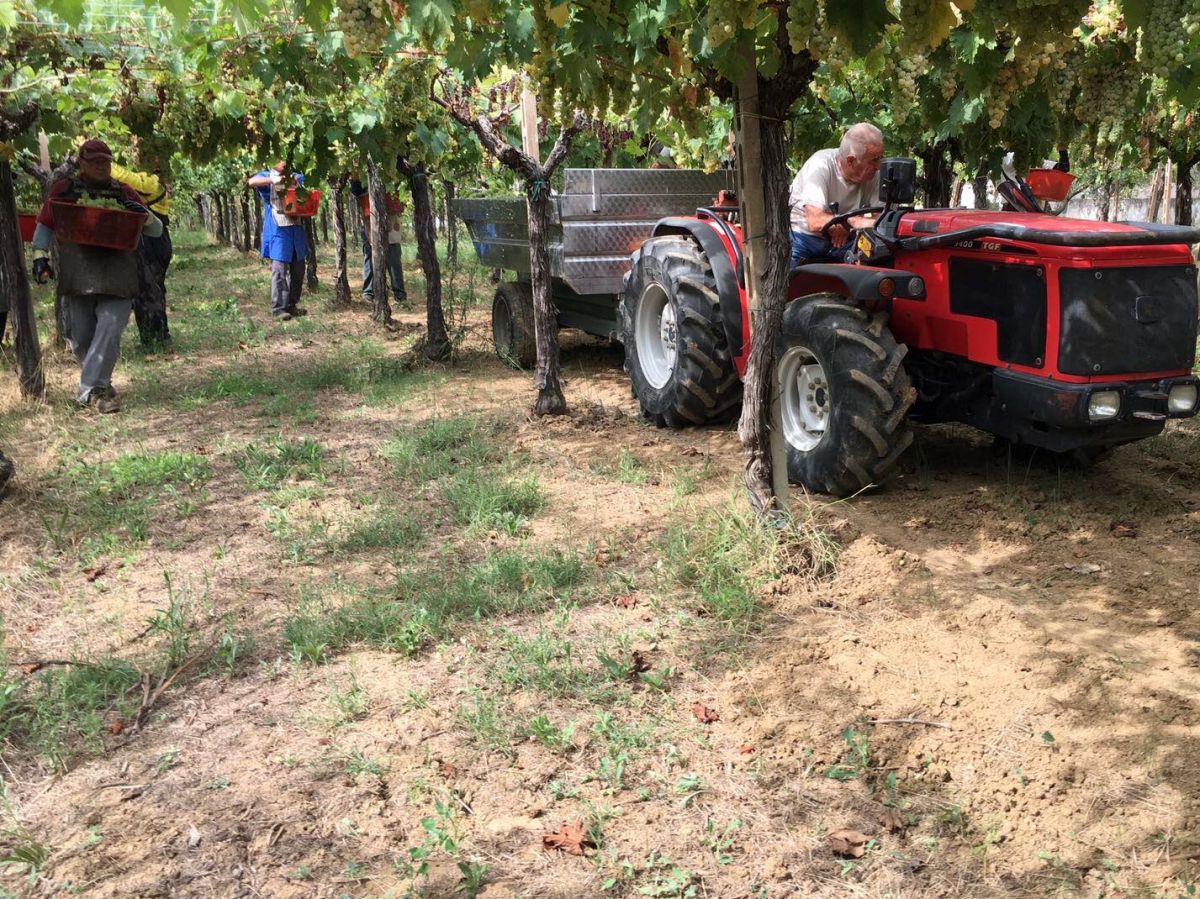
x: 42, y: 272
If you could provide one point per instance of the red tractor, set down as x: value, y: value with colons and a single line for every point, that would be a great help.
x: 1069, y: 335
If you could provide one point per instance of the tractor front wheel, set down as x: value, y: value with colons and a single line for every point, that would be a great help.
x: 676, y: 352
x: 845, y: 395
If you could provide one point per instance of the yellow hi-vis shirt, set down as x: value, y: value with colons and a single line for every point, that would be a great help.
x: 147, y: 185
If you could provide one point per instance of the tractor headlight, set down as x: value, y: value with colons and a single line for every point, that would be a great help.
x: 1104, y: 404
x: 916, y: 287
x: 1181, y: 399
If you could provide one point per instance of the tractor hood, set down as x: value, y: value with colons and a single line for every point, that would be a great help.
x: 925, y: 229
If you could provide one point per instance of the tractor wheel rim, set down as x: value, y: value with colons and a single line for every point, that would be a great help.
x: 656, y: 336
x: 805, y: 406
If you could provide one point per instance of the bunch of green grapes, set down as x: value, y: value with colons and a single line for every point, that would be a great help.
x: 100, y: 202
x: 364, y: 25
x: 802, y: 22
x: 1107, y: 104
x: 903, y: 74
x: 999, y: 95
x: 1164, y: 43
x: 622, y: 93
x: 1103, y: 21
x: 1059, y: 85
x: 187, y: 122
x: 1034, y: 19
x: 825, y: 44
x: 948, y: 83
x: 404, y: 87
x: 1031, y: 57
x: 916, y: 18
x: 726, y: 16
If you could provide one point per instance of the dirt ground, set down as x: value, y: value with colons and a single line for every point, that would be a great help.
x: 995, y: 689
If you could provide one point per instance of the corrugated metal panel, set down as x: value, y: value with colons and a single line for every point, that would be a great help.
x: 605, y: 182
x: 596, y: 238
x: 605, y: 215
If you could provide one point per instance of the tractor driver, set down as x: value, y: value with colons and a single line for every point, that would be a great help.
x: 831, y: 182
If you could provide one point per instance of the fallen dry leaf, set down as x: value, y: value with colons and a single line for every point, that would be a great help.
x: 638, y: 662
x: 848, y: 843
x: 892, y: 820
x: 116, y: 727
x: 570, y: 838
x: 93, y: 573
x: 625, y: 601
x: 447, y: 770
x: 1124, y: 528
x: 746, y: 749
x: 704, y: 714
x: 1084, y: 568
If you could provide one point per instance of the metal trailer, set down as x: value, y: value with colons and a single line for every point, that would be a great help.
x: 601, y: 217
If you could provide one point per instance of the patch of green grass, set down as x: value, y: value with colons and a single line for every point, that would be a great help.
x: 725, y: 557
x: 239, y: 386
x: 67, y: 708
x: 629, y: 469
x: 384, y: 526
x: 275, y: 460
x: 423, y: 605
x: 94, y: 508
x: 283, y: 406
x: 55, y: 710
x: 491, y: 724
x: 482, y: 501
x: 546, y: 662
x: 443, y: 445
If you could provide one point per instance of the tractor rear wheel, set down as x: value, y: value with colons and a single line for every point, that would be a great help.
x: 676, y: 352
x: 513, y: 332
x: 845, y: 395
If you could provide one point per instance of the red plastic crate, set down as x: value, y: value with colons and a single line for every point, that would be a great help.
x: 364, y: 205
x: 1050, y: 184
x: 293, y: 207
x: 28, y: 223
x: 94, y: 226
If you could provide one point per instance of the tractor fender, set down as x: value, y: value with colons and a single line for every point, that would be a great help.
x: 725, y: 273
x: 857, y: 284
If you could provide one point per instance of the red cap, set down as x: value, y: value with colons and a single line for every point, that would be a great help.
x: 93, y: 150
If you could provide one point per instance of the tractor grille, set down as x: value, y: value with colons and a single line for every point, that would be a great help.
x: 1013, y: 296
x: 1127, y: 320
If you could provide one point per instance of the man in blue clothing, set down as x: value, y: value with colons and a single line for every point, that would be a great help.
x: 282, y: 241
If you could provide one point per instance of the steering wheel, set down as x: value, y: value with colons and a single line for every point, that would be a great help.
x: 843, y: 219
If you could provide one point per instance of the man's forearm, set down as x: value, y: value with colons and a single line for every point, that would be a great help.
x: 816, y: 218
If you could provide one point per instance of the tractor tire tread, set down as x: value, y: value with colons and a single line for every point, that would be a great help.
x: 704, y: 387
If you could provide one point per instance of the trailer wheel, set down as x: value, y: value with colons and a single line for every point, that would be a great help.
x: 676, y: 351
x: 845, y: 395
x: 513, y: 332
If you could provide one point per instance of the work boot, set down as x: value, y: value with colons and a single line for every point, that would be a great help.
x: 298, y: 311
x: 283, y: 316
x: 6, y: 470
x: 107, y: 401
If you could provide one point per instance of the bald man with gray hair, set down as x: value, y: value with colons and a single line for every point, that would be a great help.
x: 832, y: 182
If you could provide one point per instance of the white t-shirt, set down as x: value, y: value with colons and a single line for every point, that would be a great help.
x: 820, y: 183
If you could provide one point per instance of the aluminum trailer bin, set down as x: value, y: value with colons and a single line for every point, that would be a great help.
x: 596, y: 223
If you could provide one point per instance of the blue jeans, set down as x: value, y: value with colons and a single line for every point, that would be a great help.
x: 395, y: 270
x: 815, y: 247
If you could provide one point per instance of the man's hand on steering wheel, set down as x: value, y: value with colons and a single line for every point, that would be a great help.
x: 838, y: 229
